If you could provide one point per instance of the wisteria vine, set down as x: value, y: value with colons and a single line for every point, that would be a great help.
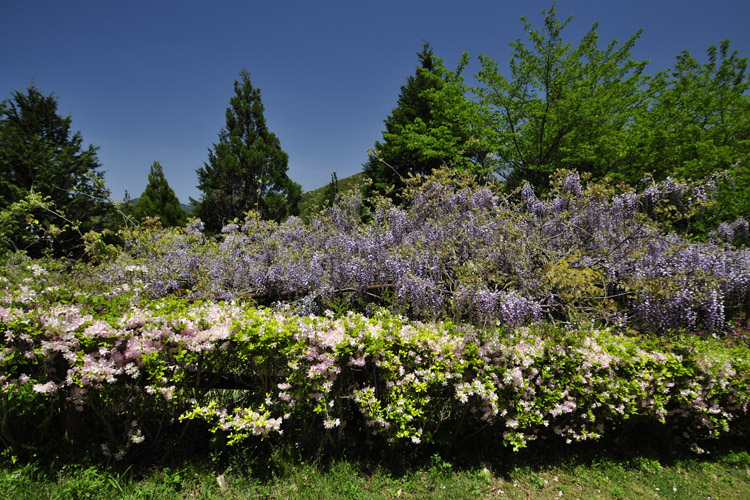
x: 463, y: 251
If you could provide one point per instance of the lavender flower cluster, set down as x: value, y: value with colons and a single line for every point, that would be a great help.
x: 462, y: 251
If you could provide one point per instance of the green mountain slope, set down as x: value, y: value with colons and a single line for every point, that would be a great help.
x: 311, y: 202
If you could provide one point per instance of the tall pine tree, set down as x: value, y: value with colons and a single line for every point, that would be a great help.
x: 247, y: 169
x: 432, y: 125
x: 41, y: 158
x: 159, y: 200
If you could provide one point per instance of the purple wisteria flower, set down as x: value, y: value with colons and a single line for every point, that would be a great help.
x: 462, y: 250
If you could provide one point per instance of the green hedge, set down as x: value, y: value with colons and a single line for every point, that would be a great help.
x: 123, y: 377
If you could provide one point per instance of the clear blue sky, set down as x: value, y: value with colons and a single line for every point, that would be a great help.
x: 150, y: 80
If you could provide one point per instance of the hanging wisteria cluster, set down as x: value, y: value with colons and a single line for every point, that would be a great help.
x: 463, y: 251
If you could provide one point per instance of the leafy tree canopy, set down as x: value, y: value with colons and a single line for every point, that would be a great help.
x: 698, y: 118
x: 696, y: 124
x: 563, y: 106
x: 247, y: 169
x: 594, y: 109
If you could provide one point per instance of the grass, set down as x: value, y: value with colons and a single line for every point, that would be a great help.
x: 723, y: 477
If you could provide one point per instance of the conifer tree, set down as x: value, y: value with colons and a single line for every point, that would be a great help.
x: 331, y: 191
x: 247, y: 169
x: 388, y: 165
x: 42, y: 159
x: 431, y: 126
x: 159, y: 200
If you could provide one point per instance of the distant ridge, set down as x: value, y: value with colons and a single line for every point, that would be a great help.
x: 311, y: 201
x: 185, y: 207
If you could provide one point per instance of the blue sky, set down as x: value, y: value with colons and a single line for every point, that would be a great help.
x: 150, y: 80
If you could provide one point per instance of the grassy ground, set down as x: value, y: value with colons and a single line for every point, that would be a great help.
x: 723, y: 477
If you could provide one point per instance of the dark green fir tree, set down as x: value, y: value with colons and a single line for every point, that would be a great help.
x: 45, y: 168
x: 331, y: 191
x: 247, y: 169
x: 389, y: 163
x: 159, y: 200
x: 431, y: 126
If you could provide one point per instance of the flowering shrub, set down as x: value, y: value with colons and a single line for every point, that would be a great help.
x: 248, y: 373
x: 516, y: 317
x: 463, y: 251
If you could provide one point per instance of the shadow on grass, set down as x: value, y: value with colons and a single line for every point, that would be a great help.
x: 637, y: 445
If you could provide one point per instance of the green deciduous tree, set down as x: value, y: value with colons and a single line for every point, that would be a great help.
x: 698, y: 118
x: 697, y: 123
x: 563, y: 106
x: 44, y: 163
x: 159, y: 200
x: 594, y: 110
x: 433, y: 125
x: 247, y: 169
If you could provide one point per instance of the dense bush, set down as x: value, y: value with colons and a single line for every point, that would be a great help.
x: 127, y: 378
